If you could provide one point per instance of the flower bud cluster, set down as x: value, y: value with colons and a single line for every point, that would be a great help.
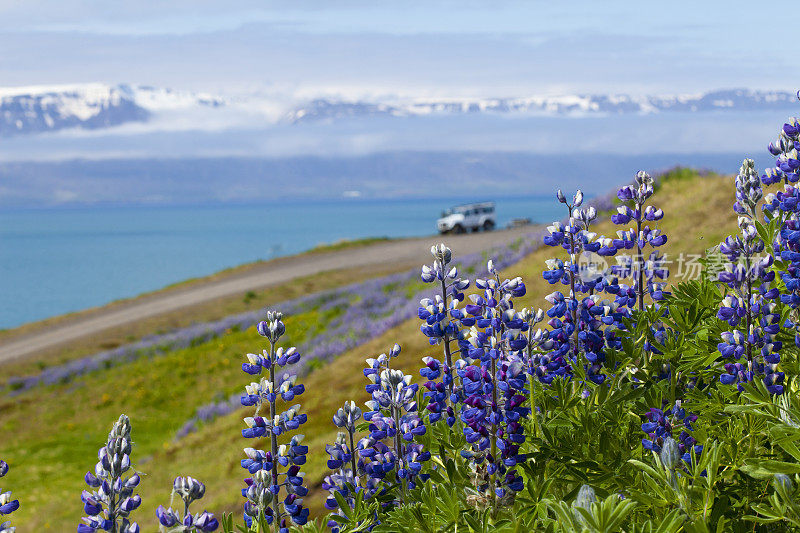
x: 188, y: 490
x: 442, y: 325
x: 748, y: 189
x: 110, y: 503
x: 264, y: 488
x: 7, y: 505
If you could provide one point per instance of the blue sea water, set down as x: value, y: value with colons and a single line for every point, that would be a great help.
x: 60, y: 260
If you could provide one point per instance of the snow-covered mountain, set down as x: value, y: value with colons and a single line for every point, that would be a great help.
x: 30, y: 110
x: 568, y: 105
x: 26, y: 110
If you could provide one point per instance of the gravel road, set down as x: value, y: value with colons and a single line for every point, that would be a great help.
x: 405, y: 251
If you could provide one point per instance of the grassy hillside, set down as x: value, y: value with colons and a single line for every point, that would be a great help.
x: 51, y: 434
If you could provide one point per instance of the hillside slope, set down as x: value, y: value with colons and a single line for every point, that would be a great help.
x: 161, y: 391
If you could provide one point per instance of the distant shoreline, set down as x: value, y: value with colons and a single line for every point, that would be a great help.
x: 188, y: 282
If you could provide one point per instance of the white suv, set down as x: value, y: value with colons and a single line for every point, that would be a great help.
x: 465, y: 217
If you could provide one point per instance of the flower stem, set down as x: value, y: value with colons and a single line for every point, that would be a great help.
x: 273, y: 437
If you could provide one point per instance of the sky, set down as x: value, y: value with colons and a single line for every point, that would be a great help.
x: 425, y: 48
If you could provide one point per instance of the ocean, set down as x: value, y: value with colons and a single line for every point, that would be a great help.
x: 54, y: 261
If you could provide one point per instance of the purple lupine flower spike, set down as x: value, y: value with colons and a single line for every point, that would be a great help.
x: 392, y: 417
x: 444, y: 326
x: 264, y: 488
x: 110, y: 505
x: 494, y: 380
x: 750, y: 306
x: 7, y: 504
x: 646, y: 270
x: 671, y: 429
x: 579, y: 319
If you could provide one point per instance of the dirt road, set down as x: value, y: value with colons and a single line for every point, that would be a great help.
x: 272, y: 273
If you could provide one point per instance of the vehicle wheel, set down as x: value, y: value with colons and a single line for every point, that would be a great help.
x: 458, y: 228
x: 488, y: 225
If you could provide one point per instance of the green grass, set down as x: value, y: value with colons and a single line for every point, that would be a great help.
x: 159, y: 392
x: 51, y: 434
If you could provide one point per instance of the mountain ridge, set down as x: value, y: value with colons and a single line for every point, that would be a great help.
x: 34, y: 110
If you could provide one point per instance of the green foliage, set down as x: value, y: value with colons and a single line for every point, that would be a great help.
x: 586, y: 434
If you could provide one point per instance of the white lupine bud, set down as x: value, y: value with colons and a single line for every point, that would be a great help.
x: 670, y: 454
x: 561, y: 197
x: 784, y: 482
x: 578, y: 199
x: 586, y: 497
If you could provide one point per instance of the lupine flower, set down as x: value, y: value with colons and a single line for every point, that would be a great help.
x: 578, y: 325
x: 784, y: 207
x: 344, y: 480
x: 189, y: 490
x: 7, y: 505
x: 347, y: 470
x: 110, y: 504
x: 495, y: 386
x: 392, y: 415
x: 264, y: 488
x: 661, y: 428
x: 538, y: 341
x: 750, y: 306
x: 647, y: 273
x: 443, y: 325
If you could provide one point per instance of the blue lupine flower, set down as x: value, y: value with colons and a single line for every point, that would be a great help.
x: 495, y: 386
x: 750, y: 306
x: 392, y: 415
x: 7, y: 505
x: 783, y: 207
x: 646, y: 272
x: 110, y: 505
x: 264, y: 488
x: 662, y: 426
x: 578, y: 324
x: 189, y: 490
x: 348, y: 476
x: 443, y: 326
